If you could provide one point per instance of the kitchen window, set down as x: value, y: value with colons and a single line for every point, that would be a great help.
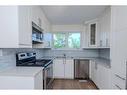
x: 66, y: 40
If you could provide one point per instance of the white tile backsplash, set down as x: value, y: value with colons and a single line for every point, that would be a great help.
x: 104, y: 53
x: 72, y: 53
x: 8, y: 55
x: 1, y: 53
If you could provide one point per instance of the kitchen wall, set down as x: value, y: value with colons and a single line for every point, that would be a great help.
x: 68, y: 28
x: 7, y: 56
x: 72, y: 53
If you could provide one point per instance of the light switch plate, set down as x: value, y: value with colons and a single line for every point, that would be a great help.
x: 1, y: 53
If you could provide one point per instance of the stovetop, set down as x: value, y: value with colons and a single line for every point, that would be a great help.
x: 37, y: 63
x: 29, y: 59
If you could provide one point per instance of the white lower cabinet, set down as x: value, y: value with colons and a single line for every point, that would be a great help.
x: 104, y: 77
x: 63, y: 68
x: 58, y: 68
x: 118, y: 82
x: 100, y: 75
x: 69, y: 69
x: 92, y: 70
x: 38, y: 81
x: 22, y: 82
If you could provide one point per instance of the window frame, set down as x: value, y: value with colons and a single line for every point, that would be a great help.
x: 66, y: 40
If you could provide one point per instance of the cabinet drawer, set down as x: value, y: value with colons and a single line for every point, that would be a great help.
x: 119, y: 82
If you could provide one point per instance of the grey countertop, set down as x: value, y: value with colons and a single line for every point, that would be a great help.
x: 104, y: 62
x: 98, y: 60
x: 21, y: 71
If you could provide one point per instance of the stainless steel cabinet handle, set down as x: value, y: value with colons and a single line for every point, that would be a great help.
x: 118, y: 86
x: 120, y: 77
x: 96, y: 66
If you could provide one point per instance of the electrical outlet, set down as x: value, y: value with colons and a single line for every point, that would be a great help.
x: 1, y: 53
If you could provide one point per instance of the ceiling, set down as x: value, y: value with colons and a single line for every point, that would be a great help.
x: 60, y: 15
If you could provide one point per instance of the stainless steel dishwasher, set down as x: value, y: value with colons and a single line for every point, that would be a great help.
x: 81, y: 69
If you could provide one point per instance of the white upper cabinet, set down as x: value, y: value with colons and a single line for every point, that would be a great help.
x: 39, y: 18
x: 36, y: 16
x: 119, y: 20
x: 90, y: 32
x: 104, y: 29
x: 25, y: 26
x: 9, y: 27
x: 15, y: 27
x: 97, y: 31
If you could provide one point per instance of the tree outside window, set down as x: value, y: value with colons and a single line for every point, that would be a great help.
x: 66, y: 40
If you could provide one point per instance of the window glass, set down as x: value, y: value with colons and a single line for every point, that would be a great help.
x: 59, y: 40
x: 93, y: 34
x: 74, y: 40
x: 66, y: 40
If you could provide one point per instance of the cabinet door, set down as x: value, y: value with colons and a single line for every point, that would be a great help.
x: 100, y: 75
x: 105, y: 28
x: 38, y: 81
x: 119, y: 16
x: 92, y: 71
x: 92, y: 34
x: 58, y: 68
x: 103, y: 77
x: 35, y: 14
x: 25, y: 30
x: 8, y: 27
x: 119, y: 46
x: 119, y: 56
x: 96, y: 74
x: 69, y: 69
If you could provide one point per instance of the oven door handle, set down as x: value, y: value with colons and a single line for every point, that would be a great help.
x: 46, y: 65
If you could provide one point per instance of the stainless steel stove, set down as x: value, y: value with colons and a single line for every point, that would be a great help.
x: 29, y: 59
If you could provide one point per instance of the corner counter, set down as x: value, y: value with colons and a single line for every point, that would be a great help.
x: 22, y: 78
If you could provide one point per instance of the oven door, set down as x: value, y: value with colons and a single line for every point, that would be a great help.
x: 48, y: 76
